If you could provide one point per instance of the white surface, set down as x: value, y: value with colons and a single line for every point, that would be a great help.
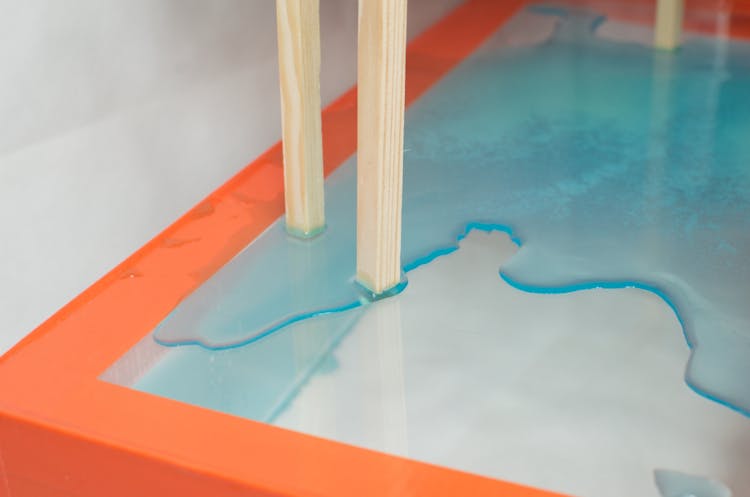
x: 120, y: 116
x: 579, y: 393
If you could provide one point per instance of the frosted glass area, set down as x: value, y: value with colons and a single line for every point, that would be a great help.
x: 610, y: 164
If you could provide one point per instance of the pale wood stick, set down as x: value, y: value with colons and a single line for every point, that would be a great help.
x: 380, y: 138
x: 668, y: 29
x: 298, y: 24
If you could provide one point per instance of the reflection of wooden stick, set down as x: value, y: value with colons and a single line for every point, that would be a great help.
x: 390, y: 354
x: 668, y: 29
x: 380, y: 138
x: 299, y: 68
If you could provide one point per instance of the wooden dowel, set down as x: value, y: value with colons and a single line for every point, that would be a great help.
x: 298, y: 26
x: 668, y: 28
x: 380, y: 138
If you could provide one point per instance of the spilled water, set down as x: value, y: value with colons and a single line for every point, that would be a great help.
x: 676, y: 484
x: 610, y: 164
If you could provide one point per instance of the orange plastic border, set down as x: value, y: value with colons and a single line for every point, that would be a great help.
x: 63, y: 432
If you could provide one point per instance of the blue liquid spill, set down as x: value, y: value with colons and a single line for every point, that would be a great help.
x: 676, y: 484
x: 616, y: 165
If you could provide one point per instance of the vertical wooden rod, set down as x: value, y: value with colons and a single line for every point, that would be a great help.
x: 668, y: 29
x: 298, y: 26
x: 380, y: 139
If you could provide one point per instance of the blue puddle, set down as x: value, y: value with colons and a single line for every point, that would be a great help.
x: 609, y: 164
x: 676, y: 484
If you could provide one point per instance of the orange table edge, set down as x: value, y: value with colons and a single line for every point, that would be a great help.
x: 64, y: 432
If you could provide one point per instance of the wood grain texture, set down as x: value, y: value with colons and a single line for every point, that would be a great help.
x: 380, y: 138
x: 298, y: 25
x: 668, y: 29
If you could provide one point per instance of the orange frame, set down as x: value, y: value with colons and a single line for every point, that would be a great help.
x: 64, y: 432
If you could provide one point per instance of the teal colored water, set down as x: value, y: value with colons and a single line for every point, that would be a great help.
x: 675, y: 484
x: 610, y: 164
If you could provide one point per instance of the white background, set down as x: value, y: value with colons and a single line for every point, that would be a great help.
x: 118, y: 116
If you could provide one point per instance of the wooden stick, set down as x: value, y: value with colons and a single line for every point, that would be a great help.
x: 380, y: 138
x: 668, y: 29
x: 298, y: 27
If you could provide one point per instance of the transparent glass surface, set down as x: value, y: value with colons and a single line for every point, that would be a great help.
x: 576, y: 234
